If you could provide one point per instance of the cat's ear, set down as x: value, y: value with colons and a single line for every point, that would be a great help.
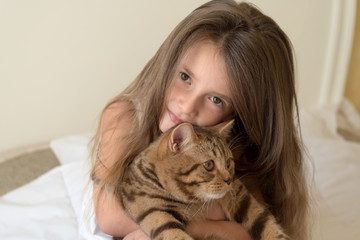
x: 224, y: 129
x: 181, y: 136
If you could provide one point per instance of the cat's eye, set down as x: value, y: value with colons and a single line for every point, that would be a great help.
x: 228, y: 163
x: 209, y: 165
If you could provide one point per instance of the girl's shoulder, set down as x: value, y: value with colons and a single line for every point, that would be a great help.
x: 118, y: 109
x: 117, y: 119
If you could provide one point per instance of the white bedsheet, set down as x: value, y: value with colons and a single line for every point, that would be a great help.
x: 43, y: 209
x: 51, y: 206
x: 54, y: 205
x: 336, y: 170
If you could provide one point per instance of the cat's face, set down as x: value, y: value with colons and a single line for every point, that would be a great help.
x: 215, y: 172
x: 204, y: 166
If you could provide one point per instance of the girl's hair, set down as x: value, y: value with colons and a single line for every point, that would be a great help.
x: 260, y: 69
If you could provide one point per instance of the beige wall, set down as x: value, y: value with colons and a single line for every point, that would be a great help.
x: 62, y: 60
x: 352, y: 90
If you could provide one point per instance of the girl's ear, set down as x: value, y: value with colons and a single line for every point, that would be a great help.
x: 181, y: 136
x: 224, y: 129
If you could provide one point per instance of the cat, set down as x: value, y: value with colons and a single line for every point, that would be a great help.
x: 176, y: 178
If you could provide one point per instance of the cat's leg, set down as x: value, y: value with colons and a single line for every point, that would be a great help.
x: 163, y: 224
x: 243, y: 208
x: 156, y: 215
x: 155, y: 219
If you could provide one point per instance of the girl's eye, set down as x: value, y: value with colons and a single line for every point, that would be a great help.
x: 184, y: 76
x: 216, y: 100
x: 209, y: 165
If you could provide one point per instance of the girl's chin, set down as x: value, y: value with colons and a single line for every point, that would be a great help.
x: 164, y: 126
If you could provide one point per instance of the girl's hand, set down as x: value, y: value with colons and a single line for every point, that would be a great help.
x: 136, y: 235
x: 215, y: 225
x: 216, y: 213
x: 220, y: 229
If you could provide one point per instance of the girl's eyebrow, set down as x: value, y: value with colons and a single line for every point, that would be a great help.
x: 192, y: 75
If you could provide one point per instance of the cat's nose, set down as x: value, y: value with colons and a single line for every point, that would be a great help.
x: 228, y: 181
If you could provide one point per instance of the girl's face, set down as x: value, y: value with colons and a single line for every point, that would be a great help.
x: 200, y: 94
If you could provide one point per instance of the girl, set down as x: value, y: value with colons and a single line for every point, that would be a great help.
x: 225, y: 60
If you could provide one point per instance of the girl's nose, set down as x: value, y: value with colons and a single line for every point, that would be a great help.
x: 189, y: 105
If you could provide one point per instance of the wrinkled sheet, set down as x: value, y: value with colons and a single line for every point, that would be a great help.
x: 336, y: 167
x: 44, y: 208
x: 52, y: 206
x: 57, y: 204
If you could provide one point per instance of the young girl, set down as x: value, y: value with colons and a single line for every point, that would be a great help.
x: 225, y: 60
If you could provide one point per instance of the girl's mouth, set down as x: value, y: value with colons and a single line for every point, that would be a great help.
x: 174, y: 118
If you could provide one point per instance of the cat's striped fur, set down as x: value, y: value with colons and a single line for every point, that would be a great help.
x: 178, y: 176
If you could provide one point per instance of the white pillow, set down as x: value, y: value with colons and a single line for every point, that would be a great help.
x: 72, y: 148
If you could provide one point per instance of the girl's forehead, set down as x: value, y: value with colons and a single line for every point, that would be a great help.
x: 205, y: 56
x: 204, y: 61
x: 207, y: 47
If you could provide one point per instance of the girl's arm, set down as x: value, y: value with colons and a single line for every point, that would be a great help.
x: 111, y: 218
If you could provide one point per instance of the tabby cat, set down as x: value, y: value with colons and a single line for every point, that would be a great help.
x: 172, y: 182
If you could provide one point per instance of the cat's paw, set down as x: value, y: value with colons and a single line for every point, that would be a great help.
x: 174, y: 235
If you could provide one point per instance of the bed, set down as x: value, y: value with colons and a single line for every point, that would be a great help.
x: 51, y: 206
x: 76, y: 49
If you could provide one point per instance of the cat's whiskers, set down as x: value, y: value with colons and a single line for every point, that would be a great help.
x: 195, y: 202
x: 192, y: 202
x: 200, y: 208
x: 232, y: 193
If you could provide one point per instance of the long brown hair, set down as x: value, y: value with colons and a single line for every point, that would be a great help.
x: 260, y: 68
